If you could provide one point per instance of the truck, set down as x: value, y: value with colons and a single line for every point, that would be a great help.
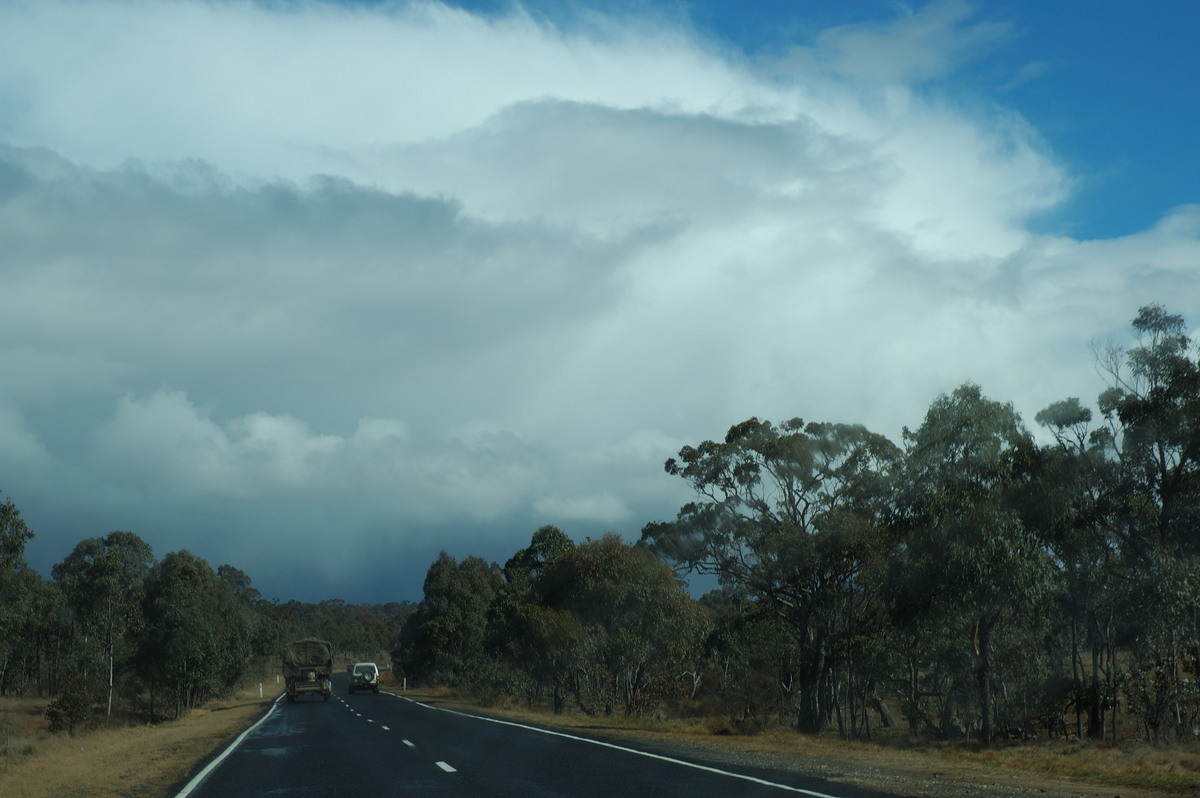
x: 308, y: 668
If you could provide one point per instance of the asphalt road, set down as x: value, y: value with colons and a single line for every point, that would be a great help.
x: 383, y: 745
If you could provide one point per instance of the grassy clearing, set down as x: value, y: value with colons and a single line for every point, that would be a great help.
x: 117, y: 761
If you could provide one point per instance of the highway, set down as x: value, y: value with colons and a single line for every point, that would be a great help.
x: 386, y: 745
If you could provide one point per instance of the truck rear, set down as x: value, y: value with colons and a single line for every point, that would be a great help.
x: 308, y: 668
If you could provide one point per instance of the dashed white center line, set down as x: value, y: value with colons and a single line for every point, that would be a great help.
x: 385, y: 728
x: 445, y: 767
x: 410, y: 743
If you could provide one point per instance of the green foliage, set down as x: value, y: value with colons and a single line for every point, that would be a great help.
x: 969, y: 554
x: 791, y: 515
x: 103, y: 580
x: 443, y: 641
x: 1153, y: 407
x: 72, y: 707
x: 13, y: 536
x: 196, y: 645
x: 626, y: 626
x: 752, y: 659
x: 16, y: 588
x: 534, y: 640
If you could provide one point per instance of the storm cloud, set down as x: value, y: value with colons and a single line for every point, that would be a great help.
x: 320, y: 290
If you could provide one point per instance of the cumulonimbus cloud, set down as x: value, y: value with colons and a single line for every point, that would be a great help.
x: 402, y: 268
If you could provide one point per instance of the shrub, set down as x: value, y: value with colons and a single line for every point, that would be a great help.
x: 72, y: 707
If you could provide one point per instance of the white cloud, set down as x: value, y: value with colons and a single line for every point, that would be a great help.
x: 271, y: 90
x: 390, y: 279
x: 916, y: 46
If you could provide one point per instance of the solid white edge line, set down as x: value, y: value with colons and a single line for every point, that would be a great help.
x: 660, y: 757
x: 199, y: 777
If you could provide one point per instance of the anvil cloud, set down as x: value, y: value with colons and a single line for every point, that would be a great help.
x: 319, y: 289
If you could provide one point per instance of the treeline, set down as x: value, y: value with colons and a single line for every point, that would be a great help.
x: 603, y: 624
x: 115, y: 629
x: 971, y: 581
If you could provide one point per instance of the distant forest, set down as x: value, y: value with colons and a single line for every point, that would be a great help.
x: 971, y: 581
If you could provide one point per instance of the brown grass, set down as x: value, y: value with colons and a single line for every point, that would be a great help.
x: 115, y: 761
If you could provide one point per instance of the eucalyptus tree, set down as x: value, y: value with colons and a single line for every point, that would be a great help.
x: 789, y: 514
x: 444, y: 639
x: 16, y: 580
x: 753, y: 658
x: 970, y: 562
x: 14, y: 534
x: 625, y: 621
x: 546, y: 545
x: 196, y: 645
x: 1152, y: 407
x: 103, y: 580
x: 49, y: 637
x: 532, y: 638
x: 1082, y: 496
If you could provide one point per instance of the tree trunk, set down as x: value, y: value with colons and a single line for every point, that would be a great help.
x: 983, y: 675
x: 110, y: 679
x: 810, y: 719
x: 1096, y: 718
x: 1077, y: 678
x: 876, y: 702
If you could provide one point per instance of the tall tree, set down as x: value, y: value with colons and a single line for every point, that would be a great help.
x: 1081, y: 496
x: 970, y: 558
x: 196, y: 646
x: 788, y: 514
x: 443, y: 641
x: 103, y: 581
x: 15, y: 576
x: 534, y: 639
x: 1153, y: 410
x: 636, y: 629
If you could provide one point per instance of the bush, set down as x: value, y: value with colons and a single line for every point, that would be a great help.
x: 72, y: 707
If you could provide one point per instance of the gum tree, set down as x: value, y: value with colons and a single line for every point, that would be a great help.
x: 970, y: 562
x: 103, y: 580
x: 443, y: 641
x: 1152, y: 408
x: 632, y: 628
x: 16, y: 580
x: 196, y: 646
x: 790, y: 515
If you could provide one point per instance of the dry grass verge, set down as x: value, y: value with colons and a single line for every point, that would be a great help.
x: 115, y: 762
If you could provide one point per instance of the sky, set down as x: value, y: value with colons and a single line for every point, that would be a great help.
x: 321, y: 289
